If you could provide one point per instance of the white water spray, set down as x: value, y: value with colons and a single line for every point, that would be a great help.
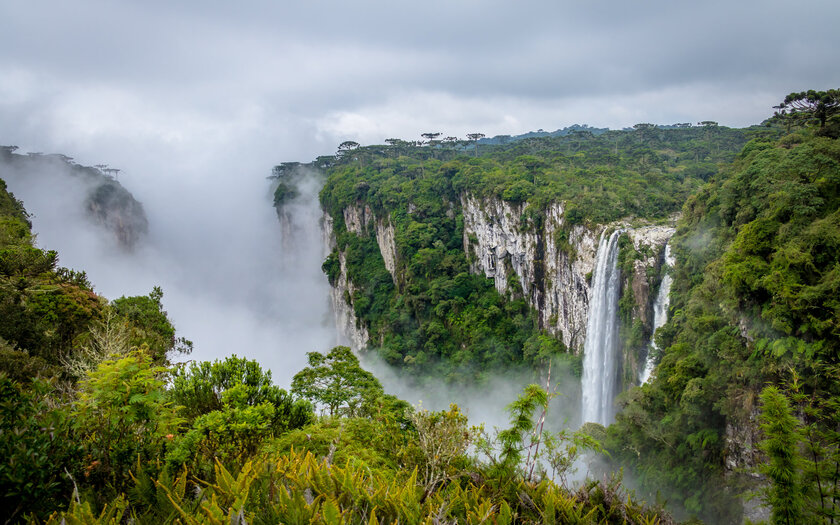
x: 600, y: 351
x: 660, y: 314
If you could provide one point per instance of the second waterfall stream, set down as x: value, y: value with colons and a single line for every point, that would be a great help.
x: 660, y: 313
x: 600, y: 350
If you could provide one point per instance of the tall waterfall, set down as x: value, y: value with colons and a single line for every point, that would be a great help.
x: 660, y: 313
x: 600, y: 350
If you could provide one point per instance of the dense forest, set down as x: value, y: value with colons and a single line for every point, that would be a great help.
x: 98, y: 424
x: 755, y: 303
x: 435, y: 316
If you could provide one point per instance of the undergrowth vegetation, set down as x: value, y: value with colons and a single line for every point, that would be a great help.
x: 754, y: 302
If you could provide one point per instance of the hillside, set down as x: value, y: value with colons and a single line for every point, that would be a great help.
x: 755, y: 303
x: 98, y: 426
x: 415, y: 231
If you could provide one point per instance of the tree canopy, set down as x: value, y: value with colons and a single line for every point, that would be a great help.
x: 811, y: 105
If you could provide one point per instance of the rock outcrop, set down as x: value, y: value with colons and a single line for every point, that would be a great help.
x: 104, y: 201
x: 552, y: 263
x: 360, y: 220
x: 341, y: 293
x: 113, y: 207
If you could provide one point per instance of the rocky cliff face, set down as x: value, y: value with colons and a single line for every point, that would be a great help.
x: 742, y: 459
x: 341, y: 292
x: 104, y: 201
x: 649, y: 242
x: 360, y: 220
x: 536, y: 263
x: 551, y: 265
x: 116, y: 209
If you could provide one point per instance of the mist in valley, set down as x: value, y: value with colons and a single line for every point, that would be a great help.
x: 239, y: 279
x: 231, y: 284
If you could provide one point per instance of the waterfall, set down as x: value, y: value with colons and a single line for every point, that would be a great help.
x: 660, y: 313
x: 600, y: 350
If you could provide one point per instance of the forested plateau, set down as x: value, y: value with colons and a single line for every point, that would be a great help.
x: 464, y: 260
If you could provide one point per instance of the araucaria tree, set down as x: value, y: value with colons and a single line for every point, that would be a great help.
x: 475, y: 138
x: 810, y: 105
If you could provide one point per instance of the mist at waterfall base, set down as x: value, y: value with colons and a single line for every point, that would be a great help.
x: 231, y: 285
x: 484, y: 400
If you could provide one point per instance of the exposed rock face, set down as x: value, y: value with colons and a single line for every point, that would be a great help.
x: 743, y: 457
x: 552, y: 263
x: 385, y: 238
x: 341, y: 295
x: 552, y: 279
x: 103, y: 199
x: 649, y: 241
x: 360, y: 219
x: 116, y: 209
x: 357, y: 218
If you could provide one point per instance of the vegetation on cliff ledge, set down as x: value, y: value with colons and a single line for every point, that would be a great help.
x: 435, y: 316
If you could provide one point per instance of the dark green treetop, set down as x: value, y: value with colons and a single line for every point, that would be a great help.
x: 810, y: 105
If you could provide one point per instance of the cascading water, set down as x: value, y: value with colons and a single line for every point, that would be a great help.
x: 660, y: 314
x: 600, y: 350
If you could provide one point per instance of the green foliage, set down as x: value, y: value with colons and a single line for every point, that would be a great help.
x: 232, y: 407
x: 802, y: 445
x: 36, y: 448
x: 780, y: 445
x: 337, y: 382
x: 200, y: 387
x: 754, y: 296
x: 301, y: 488
x: 12, y: 208
x: 374, y: 443
x: 121, y: 416
x: 514, y: 440
x: 21, y: 367
x: 150, y: 324
x: 332, y: 268
x: 443, y: 438
x: 233, y: 432
x: 82, y: 513
x: 284, y: 193
x: 44, y: 309
x: 810, y: 105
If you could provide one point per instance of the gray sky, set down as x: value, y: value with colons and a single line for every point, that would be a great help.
x: 182, y: 80
x: 196, y: 101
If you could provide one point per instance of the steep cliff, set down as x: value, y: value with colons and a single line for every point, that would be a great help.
x: 342, y: 291
x: 89, y: 190
x: 360, y: 220
x: 550, y: 262
x: 474, y: 262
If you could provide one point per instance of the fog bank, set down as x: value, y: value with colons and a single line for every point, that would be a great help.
x: 231, y: 283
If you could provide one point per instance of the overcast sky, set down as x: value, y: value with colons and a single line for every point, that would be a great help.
x: 180, y: 80
x: 196, y: 101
